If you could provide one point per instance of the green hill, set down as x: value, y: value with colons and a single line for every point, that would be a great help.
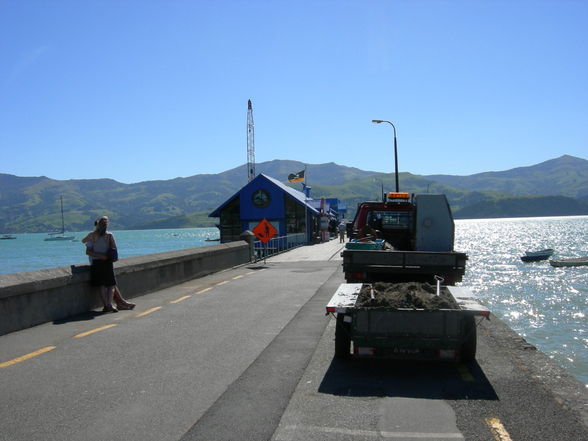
x: 31, y: 204
x: 564, y: 176
x: 528, y: 206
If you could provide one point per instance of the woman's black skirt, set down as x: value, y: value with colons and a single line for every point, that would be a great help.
x: 102, y: 273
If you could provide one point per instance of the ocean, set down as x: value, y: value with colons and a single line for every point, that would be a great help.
x: 29, y: 252
x: 547, y: 306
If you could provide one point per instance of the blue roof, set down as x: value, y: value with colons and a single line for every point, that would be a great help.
x: 296, y: 194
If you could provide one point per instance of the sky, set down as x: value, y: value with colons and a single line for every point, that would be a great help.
x: 142, y: 90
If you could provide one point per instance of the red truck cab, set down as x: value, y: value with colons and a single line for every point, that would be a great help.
x: 392, y: 220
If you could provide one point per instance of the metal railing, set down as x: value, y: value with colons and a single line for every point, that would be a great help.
x: 277, y: 245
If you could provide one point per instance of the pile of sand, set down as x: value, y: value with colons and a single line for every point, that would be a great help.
x: 414, y: 295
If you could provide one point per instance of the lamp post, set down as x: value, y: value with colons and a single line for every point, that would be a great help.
x: 379, y: 121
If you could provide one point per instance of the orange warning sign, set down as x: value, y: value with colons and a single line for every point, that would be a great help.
x: 264, y: 231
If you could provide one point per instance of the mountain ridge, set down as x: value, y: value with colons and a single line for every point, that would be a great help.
x: 32, y: 203
x: 574, y: 185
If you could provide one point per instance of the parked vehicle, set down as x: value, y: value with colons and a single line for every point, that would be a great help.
x: 405, y: 333
x: 403, y: 238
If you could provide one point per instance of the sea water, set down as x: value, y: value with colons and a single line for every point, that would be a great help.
x: 30, y: 252
x: 546, y: 305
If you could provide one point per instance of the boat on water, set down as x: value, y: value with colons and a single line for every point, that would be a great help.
x: 7, y: 236
x: 59, y: 235
x: 212, y: 239
x: 576, y: 261
x: 536, y: 256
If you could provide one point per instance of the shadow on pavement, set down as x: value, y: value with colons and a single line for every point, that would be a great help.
x: 393, y: 378
x: 86, y: 316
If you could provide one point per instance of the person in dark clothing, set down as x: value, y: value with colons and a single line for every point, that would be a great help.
x: 98, y: 243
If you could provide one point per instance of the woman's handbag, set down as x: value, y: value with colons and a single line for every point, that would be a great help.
x: 112, y: 254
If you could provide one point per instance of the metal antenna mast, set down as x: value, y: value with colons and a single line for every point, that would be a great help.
x: 250, y: 143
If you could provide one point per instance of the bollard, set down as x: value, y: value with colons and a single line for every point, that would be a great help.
x: 249, y: 237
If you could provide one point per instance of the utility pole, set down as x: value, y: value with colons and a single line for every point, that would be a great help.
x: 250, y: 143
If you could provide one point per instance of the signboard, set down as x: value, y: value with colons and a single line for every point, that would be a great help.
x: 264, y: 231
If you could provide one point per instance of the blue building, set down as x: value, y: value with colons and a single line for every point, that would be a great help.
x: 291, y: 212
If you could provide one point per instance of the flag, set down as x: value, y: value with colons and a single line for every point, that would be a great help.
x: 296, y: 177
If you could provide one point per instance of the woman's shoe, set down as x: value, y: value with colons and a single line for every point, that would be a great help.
x: 126, y: 306
x: 109, y: 309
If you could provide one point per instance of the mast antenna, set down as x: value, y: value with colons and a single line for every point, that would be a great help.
x: 250, y: 143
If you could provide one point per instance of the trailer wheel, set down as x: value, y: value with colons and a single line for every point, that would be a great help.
x: 342, y: 338
x: 468, y: 348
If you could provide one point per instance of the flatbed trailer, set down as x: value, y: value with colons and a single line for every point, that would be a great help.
x: 389, y: 265
x: 405, y: 333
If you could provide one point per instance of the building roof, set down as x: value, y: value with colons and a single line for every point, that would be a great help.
x: 295, y: 194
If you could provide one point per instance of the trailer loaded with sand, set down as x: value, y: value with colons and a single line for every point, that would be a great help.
x: 400, y: 300
x: 405, y: 320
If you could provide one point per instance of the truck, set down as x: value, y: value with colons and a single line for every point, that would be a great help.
x: 405, y: 239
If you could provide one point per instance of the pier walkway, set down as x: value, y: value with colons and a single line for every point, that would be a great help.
x: 248, y: 354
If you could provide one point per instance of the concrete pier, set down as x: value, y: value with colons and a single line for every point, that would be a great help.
x: 35, y: 297
x: 247, y: 353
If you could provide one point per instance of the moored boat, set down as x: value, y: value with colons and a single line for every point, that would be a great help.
x: 535, y: 256
x: 576, y: 261
x: 7, y: 236
x: 59, y: 235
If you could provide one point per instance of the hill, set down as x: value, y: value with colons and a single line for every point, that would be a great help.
x: 564, y: 176
x: 31, y: 204
x: 525, y: 206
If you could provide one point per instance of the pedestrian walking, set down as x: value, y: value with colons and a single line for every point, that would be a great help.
x: 342, y: 228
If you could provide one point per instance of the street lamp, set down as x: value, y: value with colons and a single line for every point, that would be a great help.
x: 379, y: 121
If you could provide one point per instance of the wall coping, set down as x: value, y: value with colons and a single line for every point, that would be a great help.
x: 19, y: 283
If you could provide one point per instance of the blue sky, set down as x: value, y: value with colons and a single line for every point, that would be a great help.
x: 150, y: 90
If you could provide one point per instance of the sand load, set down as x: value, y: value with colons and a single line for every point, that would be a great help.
x: 412, y: 295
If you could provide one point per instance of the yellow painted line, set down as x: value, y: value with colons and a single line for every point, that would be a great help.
x: 250, y: 272
x: 180, y: 299
x: 465, y: 373
x: 498, y: 430
x: 202, y: 291
x: 149, y: 311
x: 26, y: 357
x: 238, y: 277
x: 222, y: 283
x: 102, y: 328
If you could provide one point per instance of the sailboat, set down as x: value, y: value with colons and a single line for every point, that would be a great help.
x: 60, y: 235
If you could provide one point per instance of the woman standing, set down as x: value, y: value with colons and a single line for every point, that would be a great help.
x: 98, y: 246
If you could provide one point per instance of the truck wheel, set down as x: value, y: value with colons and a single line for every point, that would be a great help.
x: 468, y: 348
x: 342, y: 338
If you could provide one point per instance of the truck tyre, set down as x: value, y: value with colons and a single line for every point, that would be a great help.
x: 468, y: 348
x: 342, y: 338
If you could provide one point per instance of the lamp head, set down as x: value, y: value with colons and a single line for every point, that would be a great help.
x: 377, y: 121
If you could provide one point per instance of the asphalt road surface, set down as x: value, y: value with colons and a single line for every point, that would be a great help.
x: 247, y: 354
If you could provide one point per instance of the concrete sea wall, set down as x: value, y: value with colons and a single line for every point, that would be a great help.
x: 31, y: 298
